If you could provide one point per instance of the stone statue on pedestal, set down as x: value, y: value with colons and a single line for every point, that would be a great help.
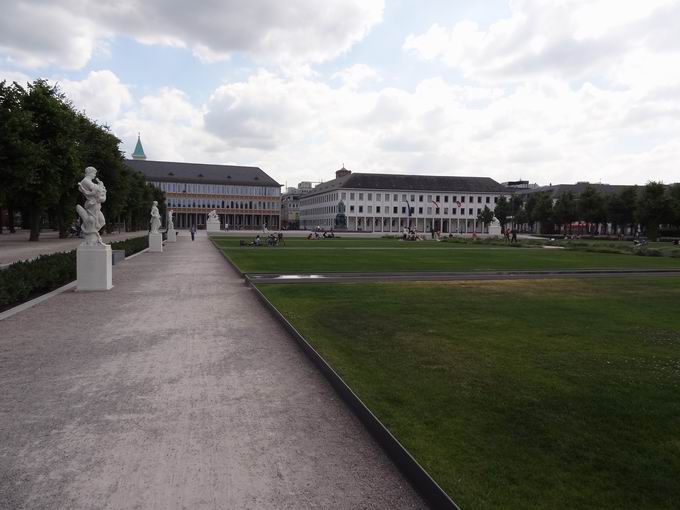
x: 155, y: 218
x: 212, y: 216
x: 341, y: 218
x: 171, y: 225
x: 91, y: 216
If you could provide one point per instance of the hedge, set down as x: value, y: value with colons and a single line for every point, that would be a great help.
x: 26, y: 280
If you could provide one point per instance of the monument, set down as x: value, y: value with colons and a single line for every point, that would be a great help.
x: 213, y: 223
x: 172, y: 234
x: 155, y: 237
x: 93, y: 257
x: 495, y: 228
x: 340, y: 218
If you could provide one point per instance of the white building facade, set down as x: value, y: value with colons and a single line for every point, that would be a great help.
x: 389, y: 203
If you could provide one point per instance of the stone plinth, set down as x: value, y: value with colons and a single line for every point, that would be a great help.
x: 93, y: 267
x: 495, y: 229
x: 172, y: 236
x: 212, y: 226
x: 156, y: 242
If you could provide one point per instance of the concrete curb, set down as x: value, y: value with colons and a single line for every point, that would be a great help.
x: 421, y: 481
x: 28, y: 304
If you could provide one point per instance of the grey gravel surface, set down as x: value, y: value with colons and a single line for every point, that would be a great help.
x: 176, y: 389
x: 15, y: 247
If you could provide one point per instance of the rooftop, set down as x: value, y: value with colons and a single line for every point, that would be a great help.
x: 172, y: 171
x: 413, y: 183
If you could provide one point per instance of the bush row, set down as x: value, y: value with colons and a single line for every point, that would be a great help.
x: 26, y: 280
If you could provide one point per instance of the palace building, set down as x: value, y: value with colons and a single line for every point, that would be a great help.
x: 391, y: 202
x: 244, y: 197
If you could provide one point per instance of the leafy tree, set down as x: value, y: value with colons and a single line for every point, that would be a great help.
x: 621, y: 208
x: 591, y: 206
x: 521, y: 217
x: 565, y: 210
x: 653, y: 208
x: 516, y: 204
x: 502, y: 210
x: 540, y: 208
x: 485, y: 216
x: 674, y: 194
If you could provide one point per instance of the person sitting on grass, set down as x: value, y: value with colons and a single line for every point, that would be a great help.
x: 256, y: 242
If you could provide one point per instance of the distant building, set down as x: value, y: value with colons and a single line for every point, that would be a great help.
x: 290, y: 204
x: 519, y: 185
x: 244, y: 197
x: 391, y: 202
x: 557, y: 189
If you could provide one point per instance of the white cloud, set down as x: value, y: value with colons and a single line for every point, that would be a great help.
x: 101, y: 95
x: 291, y: 31
x: 571, y: 39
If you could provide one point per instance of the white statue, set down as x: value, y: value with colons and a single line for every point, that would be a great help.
x: 155, y: 218
x: 212, y: 216
x: 171, y: 225
x: 91, y: 216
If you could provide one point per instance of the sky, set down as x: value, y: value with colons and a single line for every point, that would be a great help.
x: 547, y: 91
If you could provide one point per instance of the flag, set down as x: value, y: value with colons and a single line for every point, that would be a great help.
x: 458, y: 204
x: 436, y: 204
x: 408, y: 207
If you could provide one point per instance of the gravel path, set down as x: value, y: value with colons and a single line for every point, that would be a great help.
x: 176, y: 389
x: 15, y: 247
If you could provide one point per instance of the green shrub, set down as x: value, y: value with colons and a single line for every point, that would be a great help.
x: 648, y: 252
x: 26, y: 280
x: 131, y: 246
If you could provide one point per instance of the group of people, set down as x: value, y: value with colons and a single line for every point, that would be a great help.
x: 510, y: 235
x: 273, y: 239
x: 319, y: 235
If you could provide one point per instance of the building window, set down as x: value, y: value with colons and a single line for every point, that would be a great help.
x: 370, y: 197
x: 420, y: 210
x: 429, y: 210
x: 462, y: 200
x: 488, y: 200
x: 361, y: 196
x: 420, y: 198
x: 351, y: 208
x: 377, y: 209
x: 351, y: 196
x: 403, y: 198
x: 361, y: 208
x: 343, y: 196
x: 479, y: 200
x: 479, y: 211
x: 378, y: 196
x: 394, y: 210
x: 394, y: 197
x: 429, y: 198
x: 446, y: 210
x: 403, y: 210
x: 470, y: 211
x: 495, y: 200
x: 370, y: 209
x: 472, y: 199
x: 437, y: 199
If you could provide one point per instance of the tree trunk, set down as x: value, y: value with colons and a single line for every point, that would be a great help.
x: 34, y: 220
x: 61, y: 227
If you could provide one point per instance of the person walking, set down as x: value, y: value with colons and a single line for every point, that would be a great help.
x: 193, y: 232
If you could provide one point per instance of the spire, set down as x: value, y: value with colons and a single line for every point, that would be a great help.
x: 139, y: 150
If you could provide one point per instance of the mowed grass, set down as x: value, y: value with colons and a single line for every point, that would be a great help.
x: 515, y: 394
x: 391, y: 255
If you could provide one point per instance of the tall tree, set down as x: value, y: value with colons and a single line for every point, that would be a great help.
x: 591, y: 207
x: 540, y: 209
x: 485, y: 216
x: 502, y: 210
x: 674, y: 194
x: 653, y: 208
x: 565, y: 210
x: 621, y: 208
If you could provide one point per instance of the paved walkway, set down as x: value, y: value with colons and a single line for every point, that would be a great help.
x: 176, y: 389
x: 15, y: 247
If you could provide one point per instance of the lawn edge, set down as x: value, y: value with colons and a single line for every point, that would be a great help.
x: 417, y: 476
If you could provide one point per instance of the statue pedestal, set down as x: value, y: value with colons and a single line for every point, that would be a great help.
x: 172, y: 236
x: 495, y: 229
x: 93, y: 267
x: 213, y: 226
x: 156, y: 242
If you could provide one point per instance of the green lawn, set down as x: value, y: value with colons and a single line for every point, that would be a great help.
x: 386, y: 255
x: 515, y: 394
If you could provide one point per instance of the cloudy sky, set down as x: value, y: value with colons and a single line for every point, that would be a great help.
x: 545, y: 90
